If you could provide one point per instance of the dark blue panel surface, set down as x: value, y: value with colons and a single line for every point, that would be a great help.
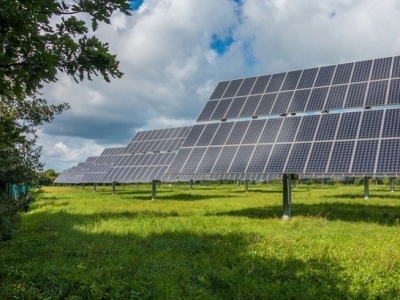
x: 396, y: 67
x: 209, y: 159
x: 298, y: 158
x: 278, y: 158
x: 307, y: 78
x: 241, y: 159
x: 207, y: 135
x: 327, y: 127
x: 193, y: 135
x: 343, y: 73
x: 261, y: 84
x: 259, y: 159
x: 222, y: 133
x: 232, y: 89
x: 299, y: 101
x: 377, y: 91
x: 317, y: 99
x: 179, y: 160
x: 219, y: 90
x: 336, y: 96
x: 265, y: 105
x: 288, y: 129
x: 381, y: 68
x: 253, y: 132
x: 235, y: 108
x: 348, y: 126
x: 356, y: 95
x: 237, y: 133
x: 325, y: 75
x: 391, y: 124
x: 224, y: 159
x: 275, y: 82
x: 207, y: 111
x: 291, y: 80
x: 389, y: 156
x: 246, y: 86
x: 394, y: 92
x: 371, y: 124
x: 221, y: 109
x: 282, y: 103
x: 250, y: 106
x: 319, y: 157
x: 365, y: 156
x: 361, y: 72
x: 193, y: 160
x: 307, y: 128
x: 271, y: 130
x: 342, y: 153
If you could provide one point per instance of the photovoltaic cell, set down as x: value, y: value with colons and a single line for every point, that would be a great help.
x: 275, y: 82
x: 325, y: 75
x: 336, y: 97
x: 193, y: 135
x: 241, y: 159
x: 396, y: 67
x: 391, y: 125
x: 224, y: 159
x: 235, y: 108
x: 261, y: 84
x: 381, y: 68
x: 291, y: 80
x: 265, y: 105
x: 288, y: 129
x: 250, y: 106
x: 298, y: 158
x: 253, y: 132
x: 237, y: 133
x: 377, y: 93
x: 317, y: 99
x: 221, y: 109
x: 307, y: 78
x: 209, y: 159
x: 271, y: 130
x: 371, y: 124
x: 356, y: 95
x: 341, y: 157
x: 246, y: 86
x: 207, y: 111
x: 327, y: 127
x: 364, y: 157
x: 389, y: 156
x: 207, y: 134
x: 193, y: 160
x: 299, y: 100
x: 343, y: 73
x: 259, y: 159
x: 222, y: 133
x: 179, y: 160
x: 282, y: 103
x: 278, y: 158
x: 319, y: 157
x: 232, y: 88
x: 394, y: 92
x: 219, y: 90
x: 362, y: 70
x: 307, y: 128
x: 348, y: 127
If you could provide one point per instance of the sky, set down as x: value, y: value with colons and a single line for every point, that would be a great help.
x: 174, y: 52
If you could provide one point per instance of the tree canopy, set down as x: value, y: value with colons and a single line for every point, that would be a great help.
x: 39, y: 40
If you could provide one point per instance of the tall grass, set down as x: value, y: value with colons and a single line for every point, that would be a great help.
x: 214, y: 242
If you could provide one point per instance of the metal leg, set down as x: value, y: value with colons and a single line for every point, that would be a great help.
x: 153, y: 190
x: 246, y: 189
x: 287, y: 197
x: 391, y: 184
x: 191, y: 184
x: 113, y: 187
x: 366, y: 188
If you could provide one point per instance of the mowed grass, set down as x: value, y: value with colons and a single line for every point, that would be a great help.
x: 214, y: 242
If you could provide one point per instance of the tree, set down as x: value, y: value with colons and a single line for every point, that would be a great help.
x: 40, y: 39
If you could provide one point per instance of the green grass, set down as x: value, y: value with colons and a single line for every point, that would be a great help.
x: 214, y: 242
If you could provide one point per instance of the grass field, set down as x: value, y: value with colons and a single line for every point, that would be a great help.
x: 214, y: 242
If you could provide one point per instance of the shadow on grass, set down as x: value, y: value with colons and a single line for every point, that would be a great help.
x: 172, y: 264
x: 372, y: 195
x: 382, y: 215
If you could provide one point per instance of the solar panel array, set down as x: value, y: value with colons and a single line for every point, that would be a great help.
x: 359, y: 84
x: 339, y: 120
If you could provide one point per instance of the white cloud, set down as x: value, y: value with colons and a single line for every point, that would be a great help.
x: 170, y: 70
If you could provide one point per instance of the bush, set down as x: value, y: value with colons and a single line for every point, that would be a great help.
x: 10, y: 209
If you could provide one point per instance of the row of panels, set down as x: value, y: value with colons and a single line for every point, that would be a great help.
x: 376, y: 93
x: 377, y: 69
x: 161, y: 134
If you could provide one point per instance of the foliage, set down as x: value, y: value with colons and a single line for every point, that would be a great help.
x: 48, y: 176
x: 214, y: 242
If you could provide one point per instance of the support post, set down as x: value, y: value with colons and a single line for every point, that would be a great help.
x: 113, y: 187
x: 83, y: 186
x: 153, y: 190
x: 190, y: 184
x: 246, y: 186
x: 391, y: 184
x: 366, y: 188
x: 94, y: 186
x: 287, y: 196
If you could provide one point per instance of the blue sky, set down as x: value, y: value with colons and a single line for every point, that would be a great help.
x: 174, y: 52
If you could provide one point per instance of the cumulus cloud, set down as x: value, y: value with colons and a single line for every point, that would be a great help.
x: 171, y: 68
